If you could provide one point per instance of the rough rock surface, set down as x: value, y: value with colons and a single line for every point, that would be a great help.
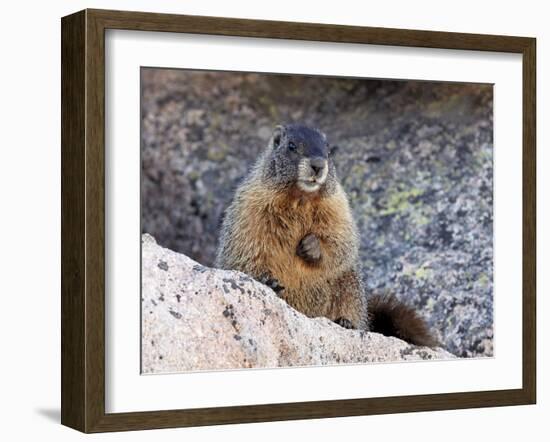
x: 416, y: 159
x: 197, y: 318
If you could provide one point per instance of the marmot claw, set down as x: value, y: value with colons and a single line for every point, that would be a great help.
x: 343, y: 322
x: 272, y: 283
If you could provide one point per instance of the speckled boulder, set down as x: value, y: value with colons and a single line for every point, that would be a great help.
x: 198, y: 318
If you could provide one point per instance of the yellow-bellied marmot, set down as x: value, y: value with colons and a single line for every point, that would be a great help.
x: 290, y: 226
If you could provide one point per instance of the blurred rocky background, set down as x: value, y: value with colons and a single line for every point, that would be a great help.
x: 416, y: 159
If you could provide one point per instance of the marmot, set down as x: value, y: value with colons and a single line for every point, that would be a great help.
x: 290, y: 226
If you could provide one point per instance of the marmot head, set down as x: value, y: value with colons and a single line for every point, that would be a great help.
x: 299, y: 155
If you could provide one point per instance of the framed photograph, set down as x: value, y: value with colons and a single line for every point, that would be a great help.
x: 268, y: 220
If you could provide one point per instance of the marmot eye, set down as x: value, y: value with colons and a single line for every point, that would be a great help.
x: 292, y: 146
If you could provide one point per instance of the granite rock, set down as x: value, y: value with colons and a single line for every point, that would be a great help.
x: 199, y: 318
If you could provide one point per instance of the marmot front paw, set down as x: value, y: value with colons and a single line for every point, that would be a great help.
x: 309, y: 248
x: 343, y: 322
x: 272, y: 283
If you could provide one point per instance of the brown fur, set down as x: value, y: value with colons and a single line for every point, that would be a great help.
x: 271, y: 224
x: 391, y: 317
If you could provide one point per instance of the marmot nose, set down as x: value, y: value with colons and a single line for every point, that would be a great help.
x: 317, y: 165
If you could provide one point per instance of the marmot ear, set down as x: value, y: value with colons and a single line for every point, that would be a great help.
x: 278, y: 135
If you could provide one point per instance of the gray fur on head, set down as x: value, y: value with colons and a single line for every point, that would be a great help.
x: 299, y: 155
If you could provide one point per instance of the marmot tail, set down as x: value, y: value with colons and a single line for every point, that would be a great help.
x: 391, y: 317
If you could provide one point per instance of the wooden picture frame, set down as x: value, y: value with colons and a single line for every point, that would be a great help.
x: 83, y: 220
